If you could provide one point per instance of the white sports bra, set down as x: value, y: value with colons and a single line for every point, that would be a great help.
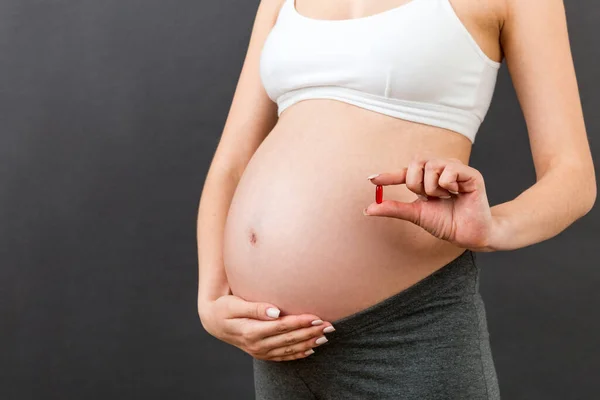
x: 416, y: 62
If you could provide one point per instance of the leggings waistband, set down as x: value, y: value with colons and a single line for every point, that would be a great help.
x: 459, y: 277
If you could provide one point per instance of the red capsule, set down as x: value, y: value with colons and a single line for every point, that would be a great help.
x: 378, y: 194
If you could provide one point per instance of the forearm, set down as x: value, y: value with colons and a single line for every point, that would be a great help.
x: 555, y: 201
x: 215, y: 200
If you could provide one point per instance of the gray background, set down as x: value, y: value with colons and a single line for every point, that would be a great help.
x: 110, y: 112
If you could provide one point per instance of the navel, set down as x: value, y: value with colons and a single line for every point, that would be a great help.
x: 253, y: 237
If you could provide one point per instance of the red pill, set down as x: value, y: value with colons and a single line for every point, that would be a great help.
x: 378, y: 194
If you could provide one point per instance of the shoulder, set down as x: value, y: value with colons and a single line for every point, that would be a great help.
x: 270, y: 7
x: 533, y: 11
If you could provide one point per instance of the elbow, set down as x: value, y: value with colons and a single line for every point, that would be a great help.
x: 589, y: 195
x: 591, y: 200
x: 585, y: 187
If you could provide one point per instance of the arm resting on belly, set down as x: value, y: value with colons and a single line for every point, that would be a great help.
x: 216, y: 197
x: 560, y: 197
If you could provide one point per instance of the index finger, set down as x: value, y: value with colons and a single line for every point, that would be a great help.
x: 391, y: 178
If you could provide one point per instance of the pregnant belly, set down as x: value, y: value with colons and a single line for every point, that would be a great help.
x: 295, y: 235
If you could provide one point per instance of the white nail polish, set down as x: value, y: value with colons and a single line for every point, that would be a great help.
x: 309, y: 352
x: 445, y: 197
x: 321, y: 340
x: 317, y: 322
x: 372, y: 176
x: 328, y: 329
x: 453, y: 192
x: 272, y: 312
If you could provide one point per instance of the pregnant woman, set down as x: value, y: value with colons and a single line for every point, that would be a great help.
x: 337, y: 296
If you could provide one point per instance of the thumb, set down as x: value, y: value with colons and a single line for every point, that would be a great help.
x: 256, y: 310
x: 395, y: 209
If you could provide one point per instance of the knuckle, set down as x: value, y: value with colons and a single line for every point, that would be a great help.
x: 445, y: 184
x: 289, y: 339
x: 226, y: 307
x: 449, y: 169
x: 414, y: 164
x: 254, y: 348
x: 445, y: 179
x: 413, y: 186
x: 245, y: 343
x: 275, y: 353
x: 281, y: 327
x: 247, y: 335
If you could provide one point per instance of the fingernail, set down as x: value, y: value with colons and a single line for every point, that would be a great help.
x: 372, y: 176
x: 365, y: 211
x: 445, y: 197
x: 272, y: 312
x: 321, y: 340
x: 309, y: 352
x: 329, y: 329
x: 424, y: 198
x: 317, y: 322
x: 453, y: 192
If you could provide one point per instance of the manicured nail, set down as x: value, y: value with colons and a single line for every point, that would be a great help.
x: 365, y: 211
x: 317, y: 322
x: 372, y: 176
x: 453, y: 192
x: 321, y: 340
x: 272, y: 312
x: 424, y: 198
x: 445, y: 197
x: 329, y: 329
x: 309, y: 352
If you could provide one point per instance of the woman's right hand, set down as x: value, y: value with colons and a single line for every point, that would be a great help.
x: 247, y: 326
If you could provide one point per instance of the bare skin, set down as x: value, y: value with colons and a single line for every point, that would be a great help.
x: 280, y: 220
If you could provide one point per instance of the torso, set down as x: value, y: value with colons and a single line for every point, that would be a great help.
x: 295, y: 235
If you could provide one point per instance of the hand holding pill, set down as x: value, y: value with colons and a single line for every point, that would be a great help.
x: 451, y: 201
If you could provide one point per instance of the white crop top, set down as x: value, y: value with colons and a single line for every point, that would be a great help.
x: 416, y: 62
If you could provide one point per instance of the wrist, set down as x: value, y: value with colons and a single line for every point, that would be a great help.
x: 495, y: 240
x: 208, y: 295
x: 203, y: 305
x: 204, y: 313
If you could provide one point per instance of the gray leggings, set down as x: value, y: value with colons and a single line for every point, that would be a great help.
x: 427, y: 342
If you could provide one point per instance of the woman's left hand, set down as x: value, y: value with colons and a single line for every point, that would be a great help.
x: 452, y: 203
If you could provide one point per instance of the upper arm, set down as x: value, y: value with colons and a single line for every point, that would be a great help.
x: 252, y: 113
x: 537, y: 50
